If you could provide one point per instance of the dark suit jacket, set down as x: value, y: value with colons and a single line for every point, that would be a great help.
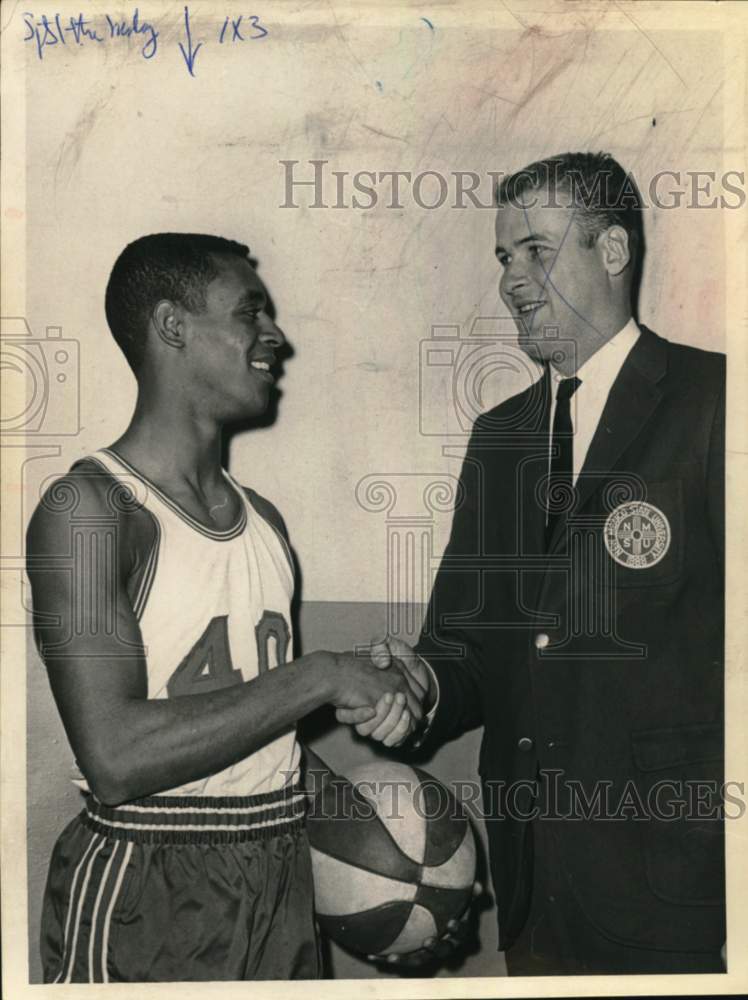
x: 627, y: 692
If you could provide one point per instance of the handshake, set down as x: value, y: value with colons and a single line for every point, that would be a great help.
x: 387, y: 696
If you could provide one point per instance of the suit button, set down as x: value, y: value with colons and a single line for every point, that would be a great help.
x: 541, y: 640
x: 525, y: 744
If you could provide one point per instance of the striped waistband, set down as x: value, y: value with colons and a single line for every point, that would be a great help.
x: 171, y: 819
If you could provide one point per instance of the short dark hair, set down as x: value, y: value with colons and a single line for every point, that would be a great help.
x: 176, y: 266
x: 603, y: 193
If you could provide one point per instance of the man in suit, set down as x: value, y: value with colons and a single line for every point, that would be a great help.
x: 578, y: 610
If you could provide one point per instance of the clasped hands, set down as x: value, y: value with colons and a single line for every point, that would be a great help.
x: 400, y: 708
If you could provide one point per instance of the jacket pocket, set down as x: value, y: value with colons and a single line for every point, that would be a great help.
x: 680, y: 774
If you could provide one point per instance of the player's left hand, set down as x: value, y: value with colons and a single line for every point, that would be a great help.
x: 436, y: 950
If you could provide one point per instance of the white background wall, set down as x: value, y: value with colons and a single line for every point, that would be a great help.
x: 119, y: 146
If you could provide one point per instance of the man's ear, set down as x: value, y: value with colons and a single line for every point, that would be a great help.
x: 168, y: 324
x: 615, y: 250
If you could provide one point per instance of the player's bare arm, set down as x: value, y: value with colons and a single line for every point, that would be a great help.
x: 126, y: 744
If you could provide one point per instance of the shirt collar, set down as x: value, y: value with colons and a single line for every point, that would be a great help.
x: 600, y: 370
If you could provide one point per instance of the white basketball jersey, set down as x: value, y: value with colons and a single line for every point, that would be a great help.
x: 214, y: 610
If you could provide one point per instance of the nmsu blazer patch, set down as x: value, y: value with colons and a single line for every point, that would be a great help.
x: 637, y: 534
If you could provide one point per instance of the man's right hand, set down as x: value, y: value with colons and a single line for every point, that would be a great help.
x: 391, y: 724
x: 360, y: 682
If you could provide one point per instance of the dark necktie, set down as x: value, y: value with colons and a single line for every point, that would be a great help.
x: 562, y: 467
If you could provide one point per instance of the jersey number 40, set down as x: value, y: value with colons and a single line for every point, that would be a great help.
x: 208, y: 666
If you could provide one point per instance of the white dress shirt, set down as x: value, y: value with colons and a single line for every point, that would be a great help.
x: 597, y: 376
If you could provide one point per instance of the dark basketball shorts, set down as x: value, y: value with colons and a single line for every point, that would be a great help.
x: 168, y: 889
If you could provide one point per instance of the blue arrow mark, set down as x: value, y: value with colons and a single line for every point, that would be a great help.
x: 191, y: 55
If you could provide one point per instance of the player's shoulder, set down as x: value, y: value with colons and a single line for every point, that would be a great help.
x: 80, y: 492
x: 87, y: 494
x: 266, y: 510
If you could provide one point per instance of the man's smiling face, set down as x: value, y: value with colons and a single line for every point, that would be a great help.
x: 232, y: 343
x: 555, y: 285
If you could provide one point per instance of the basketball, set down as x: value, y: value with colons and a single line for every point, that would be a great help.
x: 393, y: 856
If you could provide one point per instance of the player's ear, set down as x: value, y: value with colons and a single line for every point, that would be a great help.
x: 614, y: 246
x: 168, y: 324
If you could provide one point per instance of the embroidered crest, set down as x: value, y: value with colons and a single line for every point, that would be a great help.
x: 637, y: 534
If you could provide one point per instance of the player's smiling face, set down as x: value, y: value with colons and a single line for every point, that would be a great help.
x: 232, y: 343
x: 550, y: 277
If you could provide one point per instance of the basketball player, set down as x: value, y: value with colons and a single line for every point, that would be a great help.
x: 161, y: 592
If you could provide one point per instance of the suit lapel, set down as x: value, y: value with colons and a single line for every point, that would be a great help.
x: 633, y: 398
